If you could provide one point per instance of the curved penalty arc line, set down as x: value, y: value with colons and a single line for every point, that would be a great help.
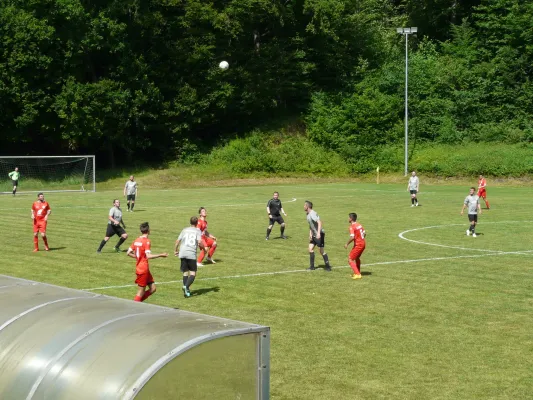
x: 401, y: 235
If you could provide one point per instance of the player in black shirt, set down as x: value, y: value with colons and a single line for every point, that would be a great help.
x: 274, y: 208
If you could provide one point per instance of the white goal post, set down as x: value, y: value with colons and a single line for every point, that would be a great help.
x: 49, y: 173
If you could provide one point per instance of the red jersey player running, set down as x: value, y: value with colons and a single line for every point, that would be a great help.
x: 208, y: 240
x: 40, y: 210
x: 357, y: 236
x: 481, y: 191
x: 140, y: 250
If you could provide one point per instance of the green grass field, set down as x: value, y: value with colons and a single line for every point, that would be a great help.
x: 438, y: 316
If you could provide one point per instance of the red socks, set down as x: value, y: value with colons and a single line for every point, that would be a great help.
x: 144, y: 297
x: 201, y: 256
x: 354, y: 267
x: 211, y: 251
x: 36, y: 242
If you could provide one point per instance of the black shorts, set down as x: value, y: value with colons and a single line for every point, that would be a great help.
x: 318, y: 242
x: 412, y: 191
x: 130, y: 197
x: 15, y: 183
x: 188, y: 265
x: 472, y: 217
x: 114, y: 230
x: 276, y: 218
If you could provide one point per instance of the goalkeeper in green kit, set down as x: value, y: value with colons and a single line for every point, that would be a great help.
x: 14, y: 175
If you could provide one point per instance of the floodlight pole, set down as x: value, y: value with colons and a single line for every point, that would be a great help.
x: 406, y: 32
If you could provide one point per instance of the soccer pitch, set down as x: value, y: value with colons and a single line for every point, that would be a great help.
x: 437, y: 315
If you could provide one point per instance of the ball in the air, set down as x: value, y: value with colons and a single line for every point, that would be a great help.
x: 223, y: 65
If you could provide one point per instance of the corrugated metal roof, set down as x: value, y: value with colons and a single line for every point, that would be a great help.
x: 59, y: 343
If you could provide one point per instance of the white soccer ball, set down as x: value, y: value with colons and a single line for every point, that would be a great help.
x: 224, y: 65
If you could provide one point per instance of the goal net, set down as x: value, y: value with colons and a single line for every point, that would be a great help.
x: 49, y: 174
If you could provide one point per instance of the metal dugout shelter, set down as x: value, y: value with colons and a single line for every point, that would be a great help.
x: 58, y: 343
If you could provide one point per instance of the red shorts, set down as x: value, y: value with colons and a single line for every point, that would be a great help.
x: 39, y: 226
x: 145, y: 279
x: 208, y: 242
x: 356, y: 253
x: 482, y: 193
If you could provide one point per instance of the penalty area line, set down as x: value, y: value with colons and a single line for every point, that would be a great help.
x: 305, y: 270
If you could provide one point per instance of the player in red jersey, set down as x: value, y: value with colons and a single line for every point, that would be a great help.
x: 140, y: 249
x: 357, y: 236
x: 40, y: 210
x: 209, y: 241
x: 481, y: 191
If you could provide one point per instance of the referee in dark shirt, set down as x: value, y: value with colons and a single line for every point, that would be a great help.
x: 274, y: 208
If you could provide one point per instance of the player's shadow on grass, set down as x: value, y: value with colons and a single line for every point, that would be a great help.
x: 57, y: 248
x: 365, y: 273
x: 280, y: 238
x: 200, y: 292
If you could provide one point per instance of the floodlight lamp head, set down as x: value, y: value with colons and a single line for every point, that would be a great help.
x: 414, y: 29
x: 399, y: 30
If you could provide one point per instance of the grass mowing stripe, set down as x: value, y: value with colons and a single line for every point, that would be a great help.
x: 151, y: 207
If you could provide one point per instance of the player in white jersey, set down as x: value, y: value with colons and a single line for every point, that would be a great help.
x: 131, y: 192
x: 188, y: 242
x: 413, y: 187
x: 472, y: 202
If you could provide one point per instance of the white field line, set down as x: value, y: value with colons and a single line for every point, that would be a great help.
x: 210, y: 190
x: 189, y: 206
x: 401, y: 235
x: 377, y: 190
x: 304, y: 270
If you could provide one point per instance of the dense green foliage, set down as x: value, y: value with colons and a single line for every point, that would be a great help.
x: 508, y: 160
x: 269, y: 154
x: 260, y: 155
x: 459, y: 92
x: 139, y: 79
